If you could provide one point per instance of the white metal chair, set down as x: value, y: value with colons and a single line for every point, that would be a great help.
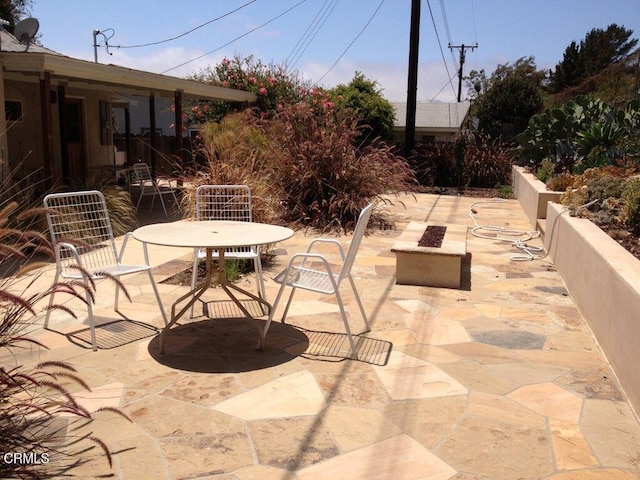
x: 297, y: 275
x: 148, y: 185
x: 227, y: 202
x: 85, y: 248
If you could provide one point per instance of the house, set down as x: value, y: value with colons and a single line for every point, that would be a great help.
x: 435, y: 121
x: 57, y: 124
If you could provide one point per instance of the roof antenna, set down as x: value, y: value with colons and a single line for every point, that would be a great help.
x: 25, y: 31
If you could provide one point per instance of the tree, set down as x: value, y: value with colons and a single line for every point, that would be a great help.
x: 506, y: 100
x: 14, y: 10
x: 599, y: 49
x: 365, y: 99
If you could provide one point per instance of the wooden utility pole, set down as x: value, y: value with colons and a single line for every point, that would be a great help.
x: 412, y: 80
x: 462, y: 48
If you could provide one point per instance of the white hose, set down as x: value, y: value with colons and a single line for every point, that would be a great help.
x: 530, y: 252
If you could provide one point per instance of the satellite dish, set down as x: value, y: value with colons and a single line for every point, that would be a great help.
x: 25, y: 30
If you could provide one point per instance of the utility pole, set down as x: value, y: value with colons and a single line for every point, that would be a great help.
x: 412, y: 79
x: 462, y: 48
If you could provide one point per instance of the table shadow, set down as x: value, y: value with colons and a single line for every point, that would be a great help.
x: 227, y: 345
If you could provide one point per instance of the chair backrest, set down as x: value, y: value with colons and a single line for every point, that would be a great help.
x: 142, y: 173
x: 358, y: 233
x: 223, y: 202
x: 82, y: 220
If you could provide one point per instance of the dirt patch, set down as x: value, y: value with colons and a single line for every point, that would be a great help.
x: 432, y: 236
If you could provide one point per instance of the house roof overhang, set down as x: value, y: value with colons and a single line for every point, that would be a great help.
x: 72, y: 72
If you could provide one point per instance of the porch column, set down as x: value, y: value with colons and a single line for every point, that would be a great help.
x: 5, y: 168
x: 64, y: 146
x: 178, y: 123
x: 127, y: 134
x: 152, y: 133
x: 50, y: 170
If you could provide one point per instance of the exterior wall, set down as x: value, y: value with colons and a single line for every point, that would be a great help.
x: 25, y: 140
x: 24, y: 137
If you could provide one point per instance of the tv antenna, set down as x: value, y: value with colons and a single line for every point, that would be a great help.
x: 26, y: 30
x: 110, y: 32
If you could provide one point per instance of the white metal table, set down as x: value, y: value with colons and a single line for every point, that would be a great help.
x: 211, y: 235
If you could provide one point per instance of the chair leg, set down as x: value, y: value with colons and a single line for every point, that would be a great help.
x: 355, y: 291
x: 271, y: 313
x: 354, y: 351
x: 286, y: 309
x: 92, y: 326
x: 46, y: 318
x: 157, y: 294
x: 159, y: 194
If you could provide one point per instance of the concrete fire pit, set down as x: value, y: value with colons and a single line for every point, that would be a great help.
x: 430, y: 266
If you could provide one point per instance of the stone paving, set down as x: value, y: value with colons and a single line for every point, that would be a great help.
x: 500, y: 379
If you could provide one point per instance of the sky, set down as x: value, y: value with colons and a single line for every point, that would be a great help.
x: 328, y: 41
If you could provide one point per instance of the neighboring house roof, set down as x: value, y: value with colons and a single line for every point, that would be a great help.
x: 18, y: 61
x: 435, y: 116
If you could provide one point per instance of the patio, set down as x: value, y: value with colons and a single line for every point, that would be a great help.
x: 500, y: 379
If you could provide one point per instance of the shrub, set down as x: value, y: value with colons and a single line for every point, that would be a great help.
x: 631, y: 205
x: 561, y: 182
x: 323, y: 178
x: 546, y: 170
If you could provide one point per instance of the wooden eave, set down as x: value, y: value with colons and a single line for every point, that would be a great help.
x: 81, y: 73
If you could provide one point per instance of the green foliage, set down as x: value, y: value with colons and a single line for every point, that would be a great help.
x: 363, y: 97
x: 272, y: 84
x: 546, y: 170
x: 579, y: 135
x: 504, y: 102
x: 14, y: 10
x: 599, y: 49
x: 631, y: 205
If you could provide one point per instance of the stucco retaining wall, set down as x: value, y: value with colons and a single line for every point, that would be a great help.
x: 604, y: 282
x: 532, y: 194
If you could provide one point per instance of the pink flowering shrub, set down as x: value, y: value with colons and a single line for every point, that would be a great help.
x: 272, y: 84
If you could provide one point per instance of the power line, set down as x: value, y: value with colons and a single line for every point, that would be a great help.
x: 440, y: 45
x: 353, y: 41
x: 237, y: 38
x: 446, y: 28
x: 315, y: 26
x: 189, y: 31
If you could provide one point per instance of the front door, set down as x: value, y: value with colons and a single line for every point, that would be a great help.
x: 74, y: 165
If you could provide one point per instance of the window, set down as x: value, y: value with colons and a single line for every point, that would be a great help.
x: 13, y: 110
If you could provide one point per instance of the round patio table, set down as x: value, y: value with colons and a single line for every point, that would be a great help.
x: 211, y: 235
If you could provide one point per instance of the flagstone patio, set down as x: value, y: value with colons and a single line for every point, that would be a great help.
x: 500, y: 379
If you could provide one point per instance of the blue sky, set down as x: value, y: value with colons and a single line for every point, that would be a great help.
x: 370, y: 36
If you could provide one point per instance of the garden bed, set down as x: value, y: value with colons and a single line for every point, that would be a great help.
x: 532, y: 194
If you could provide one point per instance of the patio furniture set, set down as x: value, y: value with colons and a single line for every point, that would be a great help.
x: 85, y: 250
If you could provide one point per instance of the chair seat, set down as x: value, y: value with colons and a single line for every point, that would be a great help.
x: 230, y: 255
x: 115, y: 270
x: 307, y: 278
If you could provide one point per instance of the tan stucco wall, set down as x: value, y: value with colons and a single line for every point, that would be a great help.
x: 604, y: 282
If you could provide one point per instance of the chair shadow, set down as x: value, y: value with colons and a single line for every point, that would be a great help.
x: 113, y: 334
x: 335, y: 347
x: 225, y: 345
